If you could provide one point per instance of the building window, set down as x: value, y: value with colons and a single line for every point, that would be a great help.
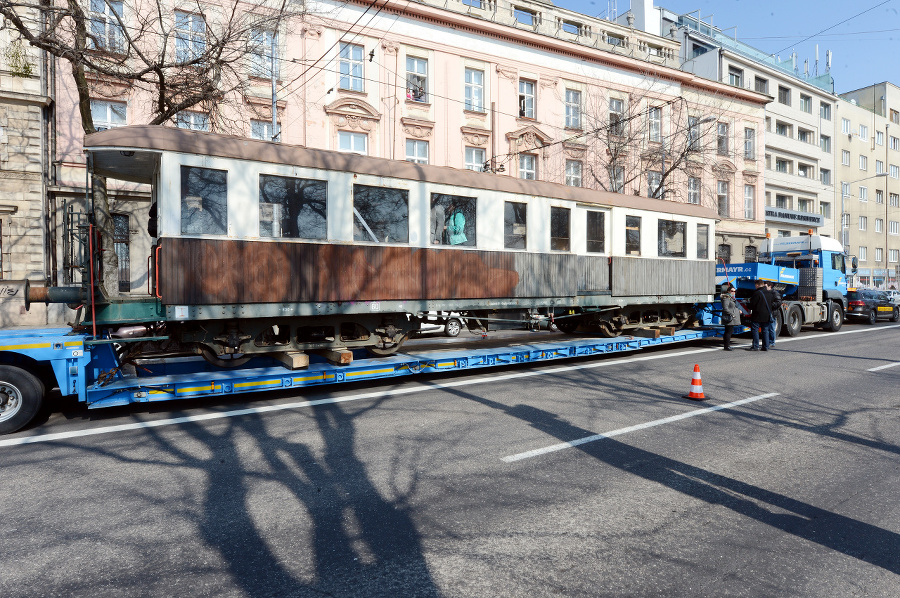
x: 805, y: 170
x: 353, y: 142
x: 879, y: 137
x: 571, y: 27
x: 845, y: 158
x: 416, y: 79
x: 616, y: 117
x: 380, y: 214
x: 825, y: 143
x: 654, y: 124
x: 863, y: 193
x: 528, y: 166
x: 723, y: 200
x: 863, y: 223
x: 292, y: 208
x: 693, y: 133
x: 783, y: 129
x: 106, y: 32
x: 573, y: 173
x: 735, y: 76
x: 190, y: 36
x: 559, y: 229
x: 702, y: 241
x: 750, y: 144
x: 864, y: 132
x: 863, y: 162
x: 761, y: 85
x: 782, y: 202
x: 894, y: 142
x: 806, y: 136
x: 894, y: 255
x: 475, y: 159
x: 784, y: 233
x: 262, y: 129
x: 671, y: 239
x: 782, y: 165
x: 515, y: 225
x: 895, y: 117
x: 262, y: 54
x: 107, y: 115
x: 195, y: 121
x: 417, y: 151
x: 824, y: 111
x: 879, y: 196
x: 525, y: 16
x: 863, y: 253
x: 825, y: 176
x: 879, y: 167
x: 654, y: 183
x: 474, y: 90
x: 895, y: 171
x: 526, y: 98
x: 573, y: 109
x: 894, y: 227
x: 204, y: 201
x: 632, y: 235
x: 722, y: 139
x: 617, y: 179
x: 879, y: 225
x: 475, y: 3
x: 350, y: 67
x: 596, y: 232
x: 123, y: 250
x: 845, y: 126
x: 806, y: 103
x: 784, y: 95
x: 894, y: 200
x: 749, y: 202
x: 879, y: 254
x: 693, y: 190
x: 806, y: 205
x: 825, y: 209
x: 845, y: 189
x: 723, y: 252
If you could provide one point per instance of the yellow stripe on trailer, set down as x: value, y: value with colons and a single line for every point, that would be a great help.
x: 209, y: 387
x: 20, y: 347
x: 309, y: 378
x: 260, y: 383
x: 166, y: 391
x: 73, y: 344
x: 367, y: 372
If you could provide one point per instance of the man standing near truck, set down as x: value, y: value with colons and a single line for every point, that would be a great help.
x: 760, y: 316
x: 776, y: 305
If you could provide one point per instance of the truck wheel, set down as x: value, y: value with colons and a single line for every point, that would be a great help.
x: 835, y: 318
x: 896, y: 316
x: 21, y: 396
x: 873, y: 317
x: 794, y: 322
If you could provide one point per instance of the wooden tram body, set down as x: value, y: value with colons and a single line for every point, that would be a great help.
x: 265, y: 247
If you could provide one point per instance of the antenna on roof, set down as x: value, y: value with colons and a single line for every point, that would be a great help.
x: 612, y: 12
x: 827, y: 61
x: 817, y: 61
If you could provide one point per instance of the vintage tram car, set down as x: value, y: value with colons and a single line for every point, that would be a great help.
x: 263, y: 247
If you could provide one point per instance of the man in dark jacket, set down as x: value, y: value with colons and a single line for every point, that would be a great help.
x: 776, y: 306
x: 760, y: 316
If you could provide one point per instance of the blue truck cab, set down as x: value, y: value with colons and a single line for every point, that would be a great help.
x: 814, y: 252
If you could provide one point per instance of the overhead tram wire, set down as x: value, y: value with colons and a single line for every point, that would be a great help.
x: 833, y: 26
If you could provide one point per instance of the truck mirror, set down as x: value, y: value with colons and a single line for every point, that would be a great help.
x: 854, y: 264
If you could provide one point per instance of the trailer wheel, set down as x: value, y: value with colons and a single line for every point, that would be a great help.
x: 21, y: 397
x: 835, y: 318
x: 794, y: 321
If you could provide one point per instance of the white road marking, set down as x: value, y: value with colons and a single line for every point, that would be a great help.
x: 667, y: 420
x: 374, y: 395
x: 884, y: 367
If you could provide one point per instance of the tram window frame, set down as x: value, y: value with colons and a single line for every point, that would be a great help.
x: 468, y: 207
x: 560, y: 228
x: 669, y: 232
x: 632, y: 235
x: 595, y: 232
x: 303, y: 207
x: 515, y: 225
x: 702, y: 241
x: 200, y: 198
x: 377, y: 219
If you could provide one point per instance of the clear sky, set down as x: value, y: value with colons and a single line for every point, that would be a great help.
x: 865, y: 48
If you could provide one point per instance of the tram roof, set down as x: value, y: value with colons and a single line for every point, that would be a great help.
x: 132, y: 153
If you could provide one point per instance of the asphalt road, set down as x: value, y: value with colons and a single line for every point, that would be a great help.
x: 579, y: 478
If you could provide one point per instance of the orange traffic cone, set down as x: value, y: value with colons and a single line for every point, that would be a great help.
x: 696, y: 393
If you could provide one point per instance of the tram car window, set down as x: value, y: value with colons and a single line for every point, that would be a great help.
x: 633, y: 235
x: 292, y: 208
x: 459, y: 215
x: 380, y: 214
x: 702, y: 241
x: 559, y: 229
x: 672, y: 242
x: 596, y: 232
x: 204, y: 194
x: 515, y: 225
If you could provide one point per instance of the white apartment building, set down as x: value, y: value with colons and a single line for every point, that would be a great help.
x: 798, y: 181
x: 868, y: 156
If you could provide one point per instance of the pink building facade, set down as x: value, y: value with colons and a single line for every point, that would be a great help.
x: 526, y: 90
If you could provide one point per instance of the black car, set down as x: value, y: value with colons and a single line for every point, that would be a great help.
x: 869, y: 305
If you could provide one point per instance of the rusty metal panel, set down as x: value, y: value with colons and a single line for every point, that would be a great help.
x: 632, y: 276
x: 593, y: 273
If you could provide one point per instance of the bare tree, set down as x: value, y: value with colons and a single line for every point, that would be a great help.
x: 196, y: 57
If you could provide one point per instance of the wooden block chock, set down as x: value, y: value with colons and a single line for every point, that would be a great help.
x: 646, y: 332
x: 338, y: 356
x: 293, y: 360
